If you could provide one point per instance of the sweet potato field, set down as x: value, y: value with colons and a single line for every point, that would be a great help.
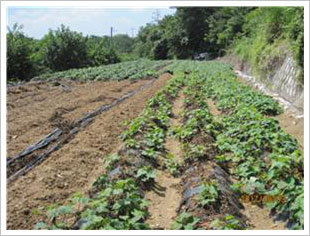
x: 164, y: 145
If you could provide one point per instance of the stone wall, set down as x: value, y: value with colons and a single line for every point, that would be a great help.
x: 283, y: 80
x: 285, y: 83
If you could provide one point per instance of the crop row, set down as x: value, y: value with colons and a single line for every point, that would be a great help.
x: 208, y: 201
x: 242, y: 141
x: 117, y: 199
x: 265, y: 159
x: 126, y: 70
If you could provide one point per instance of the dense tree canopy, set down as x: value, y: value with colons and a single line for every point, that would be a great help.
x: 19, y: 51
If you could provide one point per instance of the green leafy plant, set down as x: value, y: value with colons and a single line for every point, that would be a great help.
x: 185, y: 221
x: 146, y: 174
x: 172, y: 165
x: 229, y: 222
x: 208, y: 195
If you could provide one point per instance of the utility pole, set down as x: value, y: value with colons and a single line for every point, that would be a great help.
x: 156, y: 15
x: 111, y: 38
x: 132, y: 32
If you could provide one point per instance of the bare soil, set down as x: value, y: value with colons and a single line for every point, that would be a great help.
x: 75, y: 166
x: 164, y: 201
x: 35, y: 109
x: 293, y: 126
x: 260, y: 219
x: 173, y: 145
x: 213, y: 109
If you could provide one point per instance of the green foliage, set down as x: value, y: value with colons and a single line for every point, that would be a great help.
x: 194, y: 152
x: 127, y: 70
x: 119, y: 205
x: 208, y: 195
x: 65, y: 49
x: 172, y: 165
x: 228, y: 222
x: 266, y: 159
x: 146, y: 174
x: 19, y: 51
x: 269, y: 34
x: 100, y: 54
x: 185, y: 221
x: 123, y: 43
x: 111, y: 160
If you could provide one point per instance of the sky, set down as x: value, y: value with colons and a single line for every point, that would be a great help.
x: 37, y: 21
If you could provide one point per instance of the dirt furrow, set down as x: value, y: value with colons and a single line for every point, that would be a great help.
x: 75, y: 166
x: 259, y: 218
x: 166, y: 198
x: 164, y: 201
x: 212, y: 108
x: 55, y: 107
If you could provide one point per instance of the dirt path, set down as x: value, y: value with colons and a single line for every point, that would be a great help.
x: 213, y: 109
x: 54, y: 106
x: 173, y: 145
x: 75, y: 166
x: 259, y: 218
x: 164, y: 203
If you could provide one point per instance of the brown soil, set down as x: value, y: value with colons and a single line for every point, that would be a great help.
x: 172, y: 145
x: 164, y: 204
x: 164, y: 201
x: 293, y: 126
x: 177, y: 109
x: 259, y: 218
x: 54, y: 107
x: 77, y: 164
x: 213, y: 109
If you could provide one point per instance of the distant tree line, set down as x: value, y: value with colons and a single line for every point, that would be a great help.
x: 256, y: 34
x: 59, y: 50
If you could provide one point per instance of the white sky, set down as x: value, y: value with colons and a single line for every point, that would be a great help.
x: 89, y: 21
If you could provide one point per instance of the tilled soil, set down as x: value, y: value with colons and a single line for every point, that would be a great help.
x: 35, y: 109
x: 78, y: 164
x: 259, y: 218
x: 163, y: 202
x: 213, y: 109
x: 172, y: 144
x: 293, y: 126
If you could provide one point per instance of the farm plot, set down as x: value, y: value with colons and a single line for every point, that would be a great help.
x: 63, y: 114
x: 224, y: 160
x: 57, y: 108
x: 131, y: 70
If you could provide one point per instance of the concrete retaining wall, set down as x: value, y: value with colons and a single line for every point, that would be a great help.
x: 283, y: 80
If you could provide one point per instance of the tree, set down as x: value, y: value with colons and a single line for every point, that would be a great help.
x: 65, y: 49
x: 19, y: 51
x: 123, y: 43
